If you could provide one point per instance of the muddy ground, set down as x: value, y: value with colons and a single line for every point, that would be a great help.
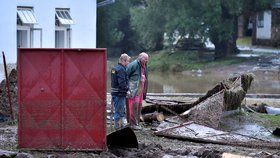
x: 154, y: 146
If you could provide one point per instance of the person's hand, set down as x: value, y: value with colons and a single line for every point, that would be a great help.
x: 128, y: 94
x: 143, y: 78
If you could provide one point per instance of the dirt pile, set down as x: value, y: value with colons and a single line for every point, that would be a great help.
x: 4, y: 101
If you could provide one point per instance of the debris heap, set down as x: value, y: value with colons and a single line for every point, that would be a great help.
x: 207, y: 110
x: 4, y: 102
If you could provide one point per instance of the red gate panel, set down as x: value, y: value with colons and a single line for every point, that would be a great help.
x: 62, y: 99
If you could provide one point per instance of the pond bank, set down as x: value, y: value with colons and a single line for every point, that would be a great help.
x: 195, y: 95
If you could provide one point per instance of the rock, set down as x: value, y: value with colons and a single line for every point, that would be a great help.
x: 209, y: 153
x: 276, y: 131
x: 52, y: 156
x: 24, y: 155
x: 107, y: 155
x: 7, y: 154
x: 272, y: 110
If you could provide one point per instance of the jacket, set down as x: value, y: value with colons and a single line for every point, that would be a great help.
x: 134, y: 76
x: 119, y: 81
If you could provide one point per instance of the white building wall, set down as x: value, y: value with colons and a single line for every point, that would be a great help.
x: 8, y: 28
x: 83, y: 13
x: 265, y: 32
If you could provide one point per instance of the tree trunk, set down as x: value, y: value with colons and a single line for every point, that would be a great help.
x: 254, y: 30
x: 227, y: 47
x: 159, y: 42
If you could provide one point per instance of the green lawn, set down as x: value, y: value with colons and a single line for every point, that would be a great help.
x: 186, y: 60
x: 245, y: 41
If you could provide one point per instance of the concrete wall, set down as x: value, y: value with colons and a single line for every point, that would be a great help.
x: 83, y: 13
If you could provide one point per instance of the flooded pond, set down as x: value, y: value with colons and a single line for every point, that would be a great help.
x: 201, y: 83
x: 198, y: 81
x: 267, y: 79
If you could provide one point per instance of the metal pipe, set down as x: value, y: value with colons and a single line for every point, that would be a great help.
x: 8, y: 87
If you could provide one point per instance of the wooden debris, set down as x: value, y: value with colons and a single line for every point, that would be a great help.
x: 157, y: 105
x: 153, y: 117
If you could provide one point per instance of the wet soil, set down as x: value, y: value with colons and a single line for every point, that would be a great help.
x: 153, y: 146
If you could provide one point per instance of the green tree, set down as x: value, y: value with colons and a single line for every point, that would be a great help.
x: 148, y: 22
x: 213, y: 19
x: 113, y: 27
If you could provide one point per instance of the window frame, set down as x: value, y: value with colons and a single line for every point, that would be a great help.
x: 67, y: 36
x: 260, y: 20
x: 32, y: 30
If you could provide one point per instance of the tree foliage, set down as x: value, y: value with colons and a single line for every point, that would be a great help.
x: 148, y: 22
x: 113, y: 27
x: 143, y: 23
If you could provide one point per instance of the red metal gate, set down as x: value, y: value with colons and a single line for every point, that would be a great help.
x: 62, y: 99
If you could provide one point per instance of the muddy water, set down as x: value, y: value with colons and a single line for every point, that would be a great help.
x: 248, y: 124
x: 196, y: 81
x: 267, y: 79
x: 265, y: 82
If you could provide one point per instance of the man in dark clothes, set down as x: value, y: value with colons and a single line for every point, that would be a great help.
x: 119, y: 89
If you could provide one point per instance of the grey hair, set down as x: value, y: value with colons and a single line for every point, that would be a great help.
x: 143, y: 54
x: 124, y: 57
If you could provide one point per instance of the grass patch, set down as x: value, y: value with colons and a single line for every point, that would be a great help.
x: 273, y: 120
x: 245, y: 41
x: 186, y: 60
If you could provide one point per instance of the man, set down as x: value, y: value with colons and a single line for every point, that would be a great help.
x: 137, y: 75
x: 119, y: 88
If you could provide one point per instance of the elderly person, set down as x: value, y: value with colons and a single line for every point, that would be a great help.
x: 119, y: 88
x: 137, y: 75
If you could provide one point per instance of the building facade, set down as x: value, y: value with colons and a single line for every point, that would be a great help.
x: 46, y: 24
x: 263, y: 27
x: 268, y: 28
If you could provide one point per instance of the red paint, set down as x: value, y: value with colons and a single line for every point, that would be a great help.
x: 62, y: 99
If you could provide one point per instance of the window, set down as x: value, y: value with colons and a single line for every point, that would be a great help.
x: 27, y: 35
x: 36, y: 38
x: 26, y: 16
x: 59, y: 39
x: 63, y: 22
x: 63, y: 17
x: 276, y: 4
x: 22, y: 38
x: 260, y: 20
